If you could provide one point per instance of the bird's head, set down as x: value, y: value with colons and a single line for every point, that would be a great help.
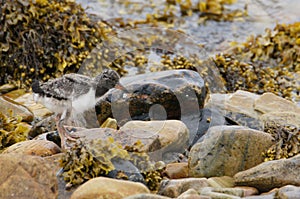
x: 108, y: 79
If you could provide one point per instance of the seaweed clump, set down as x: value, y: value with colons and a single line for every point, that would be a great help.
x: 44, y: 39
x: 170, y: 12
x: 12, y: 130
x: 265, y: 63
x: 96, y: 158
x: 287, y: 139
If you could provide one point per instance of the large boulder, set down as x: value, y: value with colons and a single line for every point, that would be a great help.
x: 226, y: 150
x: 159, y: 96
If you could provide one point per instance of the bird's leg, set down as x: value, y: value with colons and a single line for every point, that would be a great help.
x: 64, y: 135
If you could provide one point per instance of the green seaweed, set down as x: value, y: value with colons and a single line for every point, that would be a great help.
x: 265, y: 63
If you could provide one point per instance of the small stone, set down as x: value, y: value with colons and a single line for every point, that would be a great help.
x: 102, y: 187
x: 238, y: 108
x: 240, y: 102
x: 146, y: 196
x: 6, y: 88
x: 289, y: 191
x: 110, y: 123
x: 8, y: 106
x: 25, y: 176
x: 226, y: 150
x: 221, y: 182
x: 177, y: 170
x: 173, y: 188
x: 248, y: 191
x: 192, y: 194
x: 271, y: 174
x: 34, y: 147
x: 172, y: 135
x: 209, y: 117
x: 270, y: 102
x: 44, y: 126
x: 221, y: 193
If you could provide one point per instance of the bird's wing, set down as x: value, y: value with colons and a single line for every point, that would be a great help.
x: 67, y: 87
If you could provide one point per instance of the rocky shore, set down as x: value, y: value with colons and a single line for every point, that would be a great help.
x: 187, y: 126
x: 248, y: 148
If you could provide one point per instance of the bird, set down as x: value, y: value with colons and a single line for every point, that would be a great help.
x: 73, y: 94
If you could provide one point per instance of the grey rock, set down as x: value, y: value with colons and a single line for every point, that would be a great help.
x: 172, y: 136
x: 271, y: 174
x: 289, y: 191
x: 226, y: 150
x: 269, y: 102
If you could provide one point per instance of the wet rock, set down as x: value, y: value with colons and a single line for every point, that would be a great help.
x: 126, y: 167
x: 221, y: 182
x: 271, y: 174
x: 173, y: 188
x: 226, y: 150
x: 40, y: 112
x: 157, y: 96
x: 8, y: 107
x: 34, y: 147
x: 52, y: 136
x: 209, y: 117
x: 177, y: 170
x: 102, y: 187
x: 269, y: 102
x: 172, y: 135
x: 24, y: 176
x: 289, y: 191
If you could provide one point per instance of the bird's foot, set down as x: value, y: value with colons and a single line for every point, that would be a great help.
x: 65, y: 136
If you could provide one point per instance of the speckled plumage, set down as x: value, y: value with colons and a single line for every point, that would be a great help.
x: 71, y: 95
x: 74, y: 91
